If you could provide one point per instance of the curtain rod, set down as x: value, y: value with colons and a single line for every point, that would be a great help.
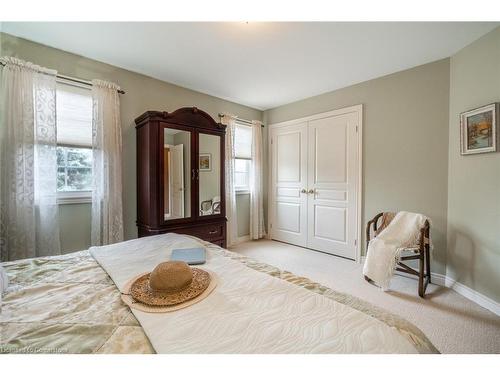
x: 221, y: 115
x: 73, y: 79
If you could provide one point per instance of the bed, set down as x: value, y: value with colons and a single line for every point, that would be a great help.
x: 72, y: 304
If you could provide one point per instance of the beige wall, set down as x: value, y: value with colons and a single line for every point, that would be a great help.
x: 405, y: 142
x: 143, y: 93
x: 74, y: 226
x: 243, y: 216
x: 474, y: 180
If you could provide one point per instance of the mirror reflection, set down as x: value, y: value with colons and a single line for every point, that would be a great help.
x: 209, y: 174
x: 176, y: 173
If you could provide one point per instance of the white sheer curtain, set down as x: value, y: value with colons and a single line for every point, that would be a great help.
x: 257, y: 229
x: 107, y: 215
x: 232, y: 221
x: 29, y: 220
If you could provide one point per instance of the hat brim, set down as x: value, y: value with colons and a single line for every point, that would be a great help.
x: 138, y: 295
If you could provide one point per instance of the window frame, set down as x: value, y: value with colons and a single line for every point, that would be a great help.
x: 74, y: 197
x: 243, y: 190
x: 79, y: 196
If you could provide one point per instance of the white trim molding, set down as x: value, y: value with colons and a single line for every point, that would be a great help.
x: 463, y: 290
x: 74, y: 197
x: 242, y: 192
x: 473, y: 295
x: 242, y: 239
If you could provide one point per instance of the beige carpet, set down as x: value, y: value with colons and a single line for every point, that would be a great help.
x: 453, y: 323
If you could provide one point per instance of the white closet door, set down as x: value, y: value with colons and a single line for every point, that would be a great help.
x: 289, y: 178
x: 332, y: 184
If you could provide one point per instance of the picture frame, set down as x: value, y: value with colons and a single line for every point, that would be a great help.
x: 205, y: 162
x: 478, y: 130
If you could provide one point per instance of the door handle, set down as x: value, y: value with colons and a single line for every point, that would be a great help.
x: 303, y: 191
x: 311, y: 191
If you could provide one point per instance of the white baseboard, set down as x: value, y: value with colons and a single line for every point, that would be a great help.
x: 438, y: 279
x: 243, y: 239
x: 463, y: 290
x: 473, y: 295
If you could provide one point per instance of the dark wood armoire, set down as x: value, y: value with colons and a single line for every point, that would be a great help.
x: 180, y: 174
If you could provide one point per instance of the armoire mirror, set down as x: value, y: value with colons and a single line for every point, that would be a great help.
x: 176, y: 173
x: 209, y: 174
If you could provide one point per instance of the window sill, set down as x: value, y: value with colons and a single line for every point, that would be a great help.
x: 242, y: 192
x: 74, y: 197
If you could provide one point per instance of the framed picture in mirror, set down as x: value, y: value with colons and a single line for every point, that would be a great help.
x: 205, y: 162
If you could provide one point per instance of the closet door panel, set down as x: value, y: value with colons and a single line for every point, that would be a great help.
x: 328, y: 156
x: 332, y: 174
x: 289, y: 166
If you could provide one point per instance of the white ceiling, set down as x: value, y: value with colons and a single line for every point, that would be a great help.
x: 262, y: 65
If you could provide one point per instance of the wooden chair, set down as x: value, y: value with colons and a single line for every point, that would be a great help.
x: 206, y: 207
x: 422, y: 251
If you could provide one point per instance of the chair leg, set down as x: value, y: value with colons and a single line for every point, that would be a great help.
x: 421, y: 275
x: 428, y: 263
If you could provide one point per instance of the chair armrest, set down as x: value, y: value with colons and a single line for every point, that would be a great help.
x: 368, y: 235
x: 370, y: 223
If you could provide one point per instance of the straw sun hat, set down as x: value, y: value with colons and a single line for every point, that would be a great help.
x: 170, y: 286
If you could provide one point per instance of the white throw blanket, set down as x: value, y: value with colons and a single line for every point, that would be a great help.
x: 384, y: 250
x: 4, y: 283
x: 4, y: 280
x: 249, y: 311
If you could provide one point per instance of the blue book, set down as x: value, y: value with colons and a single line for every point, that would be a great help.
x: 192, y: 256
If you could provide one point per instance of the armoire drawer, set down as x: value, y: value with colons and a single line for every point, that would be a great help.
x: 209, y: 231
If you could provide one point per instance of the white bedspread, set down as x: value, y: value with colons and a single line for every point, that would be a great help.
x: 249, y: 311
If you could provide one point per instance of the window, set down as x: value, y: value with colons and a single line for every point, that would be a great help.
x: 243, y: 157
x: 74, y: 143
x: 74, y: 169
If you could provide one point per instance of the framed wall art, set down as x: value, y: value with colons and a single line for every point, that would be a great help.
x: 478, y: 130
